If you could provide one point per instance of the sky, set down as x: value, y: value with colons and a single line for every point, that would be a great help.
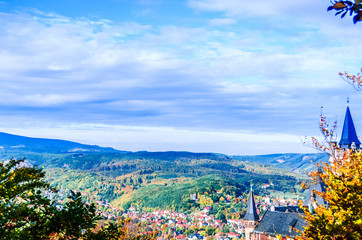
x: 229, y: 76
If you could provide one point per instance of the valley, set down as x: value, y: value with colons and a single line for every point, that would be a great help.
x: 158, y: 180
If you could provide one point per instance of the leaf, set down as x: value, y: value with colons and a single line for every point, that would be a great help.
x: 356, y: 19
x: 344, y: 14
x: 338, y: 13
x: 339, y: 5
x: 358, y: 221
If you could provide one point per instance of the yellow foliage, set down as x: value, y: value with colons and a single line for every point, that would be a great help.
x: 342, y: 217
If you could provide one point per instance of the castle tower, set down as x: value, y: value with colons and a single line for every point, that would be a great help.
x: 313, y: 200
x: 251, y: 217
x: 349, y: 139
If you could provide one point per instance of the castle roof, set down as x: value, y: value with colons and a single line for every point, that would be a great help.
x: 318, y: 187
x: 251, y: 213
x: 349, y: 134
x: 283, y: 223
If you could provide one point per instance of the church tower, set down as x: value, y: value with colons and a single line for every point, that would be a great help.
x: 251, y: 217
x: 349, y: 139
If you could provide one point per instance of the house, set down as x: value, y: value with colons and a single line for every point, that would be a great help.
x: 283, y: 221
x: 207, y: 209
x: 276, y: 223
x: 193, y: 197
x: 287, y: 221
x: 312, y: 199
x: 195, y: 236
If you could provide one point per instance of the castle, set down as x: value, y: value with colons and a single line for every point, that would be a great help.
x: 284, y: 221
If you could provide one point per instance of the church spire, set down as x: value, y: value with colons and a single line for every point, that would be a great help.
x: 251, y: 213
x: 349, y: 136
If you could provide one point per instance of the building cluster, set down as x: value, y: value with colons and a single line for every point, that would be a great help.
x: 282, y: 221
x: 173, y: 225
x: 287, y: 222
x: 282, y: 217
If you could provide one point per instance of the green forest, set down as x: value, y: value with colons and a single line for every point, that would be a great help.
x: 116, y: 180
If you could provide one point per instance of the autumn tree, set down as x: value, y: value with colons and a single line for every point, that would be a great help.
x: 343, y: 8
x: 341, y: 217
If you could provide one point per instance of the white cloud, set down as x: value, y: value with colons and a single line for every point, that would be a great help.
x: 263, y: 76
x: 264, y: 8
x: 222, y: 21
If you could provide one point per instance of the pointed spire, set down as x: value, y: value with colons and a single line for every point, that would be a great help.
x: 251, y: 213
x: 319, y: 172
x: 349, y: 135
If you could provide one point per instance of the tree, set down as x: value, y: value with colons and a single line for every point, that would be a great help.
x: 344, y: 7
x: 76, y: 219
x: 26, y: 213
x: 354, y: 80
x: 341, y: 218
x: 123, y: 229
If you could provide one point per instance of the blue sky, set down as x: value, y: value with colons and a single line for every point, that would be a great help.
x: 227, y: 76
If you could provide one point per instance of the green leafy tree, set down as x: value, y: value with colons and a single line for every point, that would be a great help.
x: 26, y: 213
x: 76, y: 219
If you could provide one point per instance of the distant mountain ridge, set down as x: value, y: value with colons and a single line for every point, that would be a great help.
x: 44, y: 145
x: 74, y: 154
x: 296, y: 162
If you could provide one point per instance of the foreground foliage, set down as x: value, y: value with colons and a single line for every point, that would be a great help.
x: 341, y: 217
x: 26, y: 212
x: 343, y: 8
x: 354, y: 80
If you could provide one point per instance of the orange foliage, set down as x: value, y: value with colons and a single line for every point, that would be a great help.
x: 354, y: 80
x: 341, y: 218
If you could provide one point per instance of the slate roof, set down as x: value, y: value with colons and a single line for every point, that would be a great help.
x: 289, y: 209
x: 251, y: 213
x: 349, y: 134
x: 195, y: 236
x: 275, y: 223
x: 320, y: 187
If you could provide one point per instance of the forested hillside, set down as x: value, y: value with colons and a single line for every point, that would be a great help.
x: 148, y: 180
x: 297, y: 162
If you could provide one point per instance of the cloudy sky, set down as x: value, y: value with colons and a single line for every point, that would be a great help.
x: 227, y: 76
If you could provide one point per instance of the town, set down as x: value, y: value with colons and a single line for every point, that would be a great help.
x: 201, y: 225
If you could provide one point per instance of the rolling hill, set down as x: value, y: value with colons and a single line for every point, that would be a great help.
x: 296, y: 162
x: 154, y: 179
